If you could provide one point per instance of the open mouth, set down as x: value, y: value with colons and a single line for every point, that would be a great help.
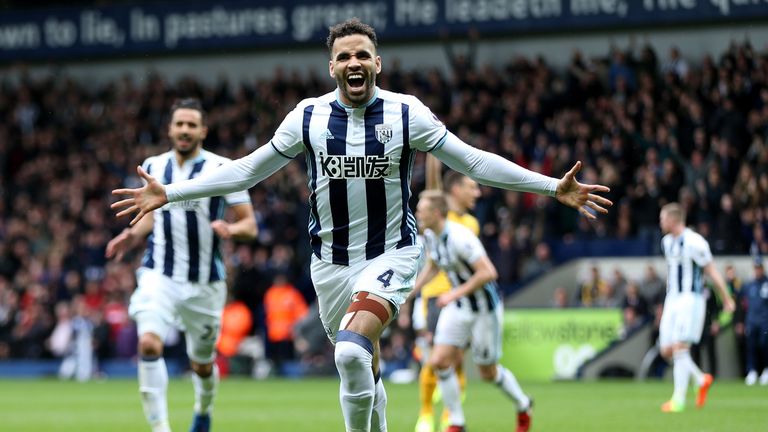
x: 356, y: 81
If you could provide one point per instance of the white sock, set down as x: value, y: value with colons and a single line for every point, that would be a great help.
x: 681, y: 374
x: 424, y: 347
x: 357, y: 389
x: 379, y: 416
x: 449, y: 387
x: 506, y: 380
x: 153, y: 386
x: 698, y: 375
x: 205, y: 391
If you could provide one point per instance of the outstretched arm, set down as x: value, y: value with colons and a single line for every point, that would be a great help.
x: 129, y: 238
x: 493, y: 170
x: 240, y: 174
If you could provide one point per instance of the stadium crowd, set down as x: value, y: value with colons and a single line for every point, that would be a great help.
x: 653, y: 129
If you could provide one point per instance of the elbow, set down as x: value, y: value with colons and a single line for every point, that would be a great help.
x: 492, y: 275
x: 252, y: 232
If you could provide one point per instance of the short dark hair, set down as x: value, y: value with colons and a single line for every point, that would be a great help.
x: 350, y: 27
x: 189, y: 103
x: 451, y: 179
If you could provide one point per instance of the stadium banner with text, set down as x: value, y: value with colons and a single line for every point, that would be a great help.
x: 156, y: 28
x: 547, y: 344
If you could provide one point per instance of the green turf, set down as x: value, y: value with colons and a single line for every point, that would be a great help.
x: 312, y: 406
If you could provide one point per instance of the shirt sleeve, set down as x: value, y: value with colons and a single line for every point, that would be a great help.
x: 469, y: 248
x: 288, y: 140
x: 426, y: 131
x: 491, y: 169
x: 236, y: 198
x: 235, y: 176
x: 701, y: 254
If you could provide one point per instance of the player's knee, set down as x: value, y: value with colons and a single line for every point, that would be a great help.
x: 440, y: 362
x: 203, y: 370
x: 487, y: 372
x: 667, y: 352
x: 150, y: 345
x: 353, y: 352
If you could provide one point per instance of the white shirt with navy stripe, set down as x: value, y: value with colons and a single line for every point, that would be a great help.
x: 454, y: 251
x: 182, y: 245
x: 686, y: 256
x: 359, y: 164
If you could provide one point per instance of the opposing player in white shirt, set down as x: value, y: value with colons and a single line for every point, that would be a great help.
x: 359, y: 143
x: 181, y: 281
x: 472, y: 313
x: 682, y: 321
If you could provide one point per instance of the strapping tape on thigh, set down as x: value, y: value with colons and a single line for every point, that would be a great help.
x: 361, y: 302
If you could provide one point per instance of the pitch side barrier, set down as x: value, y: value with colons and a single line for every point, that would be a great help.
x: 546, y: 343
x: 635, y: 357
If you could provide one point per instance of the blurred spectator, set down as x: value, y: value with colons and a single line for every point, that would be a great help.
x: 60, y: 341
x: 539, y: 263
x: 607, y: 297
x: 395, y: 353
x: 676, y: 64
x: 283, y: 306
x: 634, y: 299
x: 560, y: 298
x: 592, y: 289
x: 619, y: 281
x: 708, y: 334
x: 756, y: 295
x: 739, y: 315
x: 236, y: 323
x: 312, y: 344
x: 79, y: 362
x: 30, y: 332
x: 652, y: 284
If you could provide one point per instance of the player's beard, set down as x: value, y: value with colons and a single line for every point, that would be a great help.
x: 185, y: 150
x: 358, y: 99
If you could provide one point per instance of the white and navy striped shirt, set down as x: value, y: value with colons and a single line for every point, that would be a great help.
x: 686, y: 256
x: 183, y: 246
x: 359, y: 166
x: 454, y: 251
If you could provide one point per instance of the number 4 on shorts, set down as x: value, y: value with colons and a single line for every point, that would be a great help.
x: 385, y: 277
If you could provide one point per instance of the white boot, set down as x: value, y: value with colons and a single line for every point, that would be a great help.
x: 751, y: 378
x: 764, y: 377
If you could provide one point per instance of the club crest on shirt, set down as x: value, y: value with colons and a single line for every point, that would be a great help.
x: 383, y: 133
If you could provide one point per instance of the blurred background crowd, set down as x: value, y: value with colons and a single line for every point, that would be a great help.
x: 653, y: 126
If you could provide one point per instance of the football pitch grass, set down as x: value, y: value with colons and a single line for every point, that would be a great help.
x: 312, y: 406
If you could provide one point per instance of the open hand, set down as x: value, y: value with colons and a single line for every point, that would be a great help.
x: 144, y: 199
x: 117, y: 246
x: 581, y: 196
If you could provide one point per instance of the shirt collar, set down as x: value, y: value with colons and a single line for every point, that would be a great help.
x: 366, y: 105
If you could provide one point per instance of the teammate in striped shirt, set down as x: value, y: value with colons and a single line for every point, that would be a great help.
x: 472, y: 312
x: 688, y: 258
x: 181, y: 281
x: 461, y: 194
x: 359, y: 143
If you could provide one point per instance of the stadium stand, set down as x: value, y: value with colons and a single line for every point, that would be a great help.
x: 654, y: 130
